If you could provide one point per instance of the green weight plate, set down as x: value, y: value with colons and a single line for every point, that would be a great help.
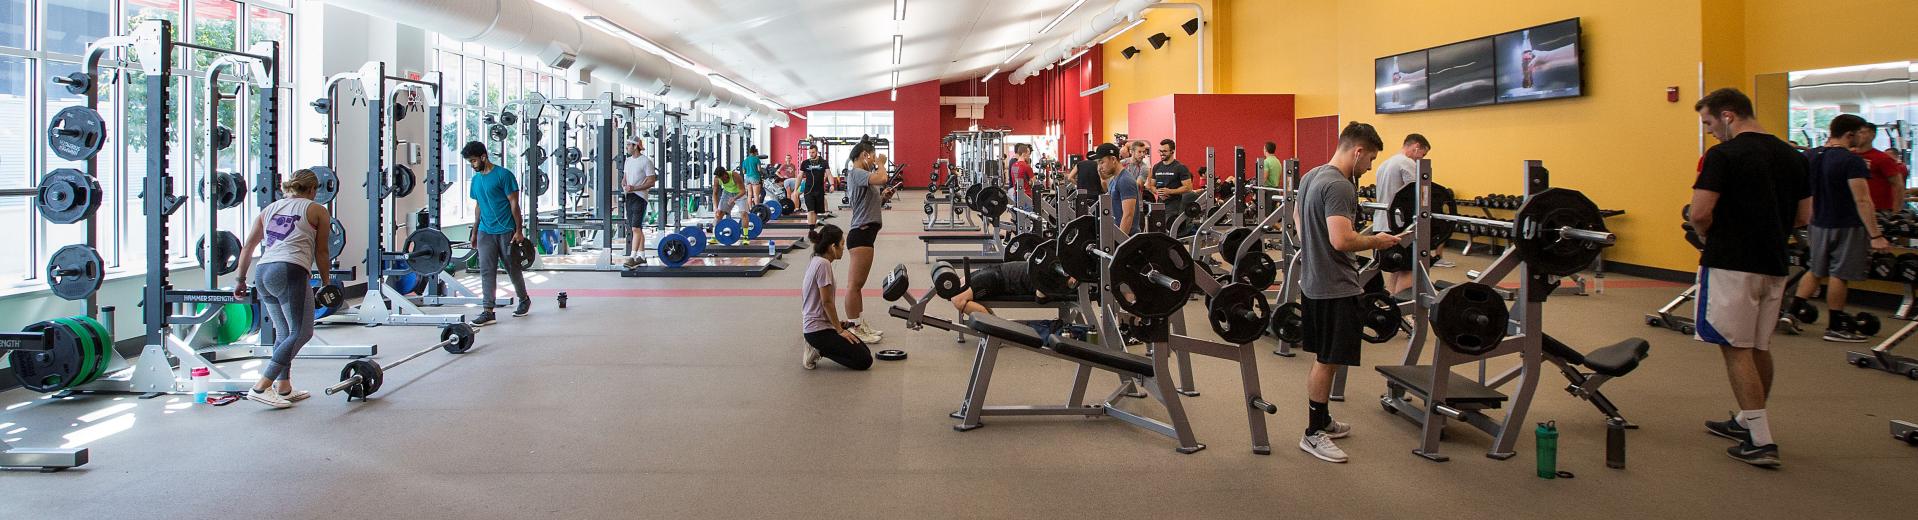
x: 105, y: 339
x: 89, y: 351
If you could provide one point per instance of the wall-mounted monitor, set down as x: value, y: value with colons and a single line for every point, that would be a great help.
x: 1399, y: 83
x: 1461, y: 74
x: 1540, y: 63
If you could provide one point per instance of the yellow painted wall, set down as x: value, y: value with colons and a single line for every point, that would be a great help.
x: 1155, y: 72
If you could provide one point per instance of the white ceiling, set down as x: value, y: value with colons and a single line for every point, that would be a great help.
x: 801, y: 52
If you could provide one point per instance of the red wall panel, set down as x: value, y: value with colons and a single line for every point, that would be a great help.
x: 915, y: 132
x: 1318, y: 139
x: 1220, y: 121
x: 1045, y: 104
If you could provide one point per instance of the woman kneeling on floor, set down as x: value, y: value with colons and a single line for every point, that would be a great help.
x: 819, y: 320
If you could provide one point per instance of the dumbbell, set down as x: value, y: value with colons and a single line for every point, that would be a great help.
x: 1865, y: 323
x: 1883, y: 266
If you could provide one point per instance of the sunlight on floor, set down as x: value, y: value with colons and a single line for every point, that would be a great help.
x: 98, y: 431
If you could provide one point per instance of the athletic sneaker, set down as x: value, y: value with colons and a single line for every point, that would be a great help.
x: 1729, y: 429
x: 1444, y: 264
x: 272, y: 399
x: 1762, y: 456
x: 1337, y: 430
x: 1845, y: 336
x: 1320, y: 445
x: 525, y: 306
x: 296, y: 396
x: 809, y: 358
x: 866, y: 335
x: 484, y: 319
x: 635, y: 262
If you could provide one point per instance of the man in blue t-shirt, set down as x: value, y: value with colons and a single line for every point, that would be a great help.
x: 496, y: 227
x: 1844, y: 230
x: 1123, y: 185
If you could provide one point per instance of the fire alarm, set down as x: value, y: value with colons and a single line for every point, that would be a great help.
x: 1671, y: 94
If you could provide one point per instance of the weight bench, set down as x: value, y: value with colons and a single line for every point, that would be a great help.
x: 999, y: 333
x: 1605, y: 364
x: 985, y: 248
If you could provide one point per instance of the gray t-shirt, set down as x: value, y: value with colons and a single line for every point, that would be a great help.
x: 865, y: 198
x: 1325, y: 272
x: 812, y: 306
x: 1397, y: 172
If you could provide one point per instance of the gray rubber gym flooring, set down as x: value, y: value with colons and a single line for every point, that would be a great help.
x: 683, y: 398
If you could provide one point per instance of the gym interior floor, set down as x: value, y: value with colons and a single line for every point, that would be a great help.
x: 684, y: 398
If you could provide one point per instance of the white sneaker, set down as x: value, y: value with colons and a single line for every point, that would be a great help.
x: 1320, y: 445
x: 296, y: 396
x: 269, y: 398
x: 1337, y: 430
x: 867, y: 334
x: 809, y: 358
x: 1443, y: 264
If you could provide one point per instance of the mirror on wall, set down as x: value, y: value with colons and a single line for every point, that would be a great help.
x: 1881, y: 93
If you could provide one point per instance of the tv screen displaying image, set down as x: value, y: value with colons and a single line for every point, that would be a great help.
x: 1399, y: 83
x: 1461, y: 74
x: 1539, y: 63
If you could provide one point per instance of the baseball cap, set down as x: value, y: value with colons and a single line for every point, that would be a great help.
x: 1103, y: 151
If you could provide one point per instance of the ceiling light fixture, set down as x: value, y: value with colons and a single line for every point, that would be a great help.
x: 899, y: 10
x: 1158, y: 40
x: 895, y: 94
x: 639, y: 41
x: 1122, y: 30
x: 1075, y: 55
x: 895, y: 80
x: 795, y: 113
x: 898, y: 46
x: 989, y: 76
x: 1061, y: 17
x: 1015, y: 54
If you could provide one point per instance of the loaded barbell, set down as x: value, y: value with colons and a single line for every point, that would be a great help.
x: 362, y: 377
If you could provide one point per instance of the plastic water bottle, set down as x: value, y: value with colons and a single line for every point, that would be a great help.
x: 200, y: 377
x: 770, y: 251
x: 1547, y: 449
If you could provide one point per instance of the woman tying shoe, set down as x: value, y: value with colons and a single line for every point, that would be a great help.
x: 819, y: 321
x: 291, y: 230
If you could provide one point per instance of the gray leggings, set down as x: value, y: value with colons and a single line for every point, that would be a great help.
x: 493, y: 251
x: 289, y: 309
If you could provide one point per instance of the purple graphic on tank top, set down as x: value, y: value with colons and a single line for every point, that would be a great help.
x: 278, y: 227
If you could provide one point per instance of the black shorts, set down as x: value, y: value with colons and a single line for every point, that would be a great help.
x: 635, y: 208
x: 1329, y: 330
x: 862, y: 236
x: 816, y: 202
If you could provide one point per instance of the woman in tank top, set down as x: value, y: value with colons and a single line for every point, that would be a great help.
x: 293, y: 229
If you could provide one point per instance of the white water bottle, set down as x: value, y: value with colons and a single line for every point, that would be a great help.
x: 200, y: 377
x: 770, y: 250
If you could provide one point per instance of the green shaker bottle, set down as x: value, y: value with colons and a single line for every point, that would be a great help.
x: 1547, y: 449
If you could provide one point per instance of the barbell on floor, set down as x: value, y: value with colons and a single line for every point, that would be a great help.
x: 362, y: 377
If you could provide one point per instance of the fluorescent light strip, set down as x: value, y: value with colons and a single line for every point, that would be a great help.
x: 1015, y: 54
x: 1061, y: 17
x: 899, y: 10
x: 898, y: 46
x: 895, y: 80
x: 1075, y: 55
x: 640, y: 41
x: 989, y: 76
x: 1095, y: 90
x: 1122, y: 30
x: 895, y: 94
x: 795, y: 113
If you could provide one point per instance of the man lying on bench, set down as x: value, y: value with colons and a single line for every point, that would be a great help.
x: 1004, y: 281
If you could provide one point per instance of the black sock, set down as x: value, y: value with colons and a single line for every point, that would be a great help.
x: 1838, y: 320
x: 1321, y: 417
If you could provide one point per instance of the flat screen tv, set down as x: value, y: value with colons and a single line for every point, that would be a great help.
x: 1540, y: 63
x: 1460, y: 74
x: 1399, y: 83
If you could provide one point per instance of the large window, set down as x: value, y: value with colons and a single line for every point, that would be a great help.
x: 45, y: 39
x: 481, y: 81
x: 849, y: 124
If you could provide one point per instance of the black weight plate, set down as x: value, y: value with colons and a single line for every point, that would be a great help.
x: 1255, y: 268
x: 1074, y: 241
x: 1047, y: 275
x: 221, y: 137
x: 224, y: 257
x: 991, y: 202
x: 890, y: 355
x: 335, y: 240
x: 329, y: 184
x: 52, y: 370
x: 1229, y: 246
x: 542, y: 181
x: 329, y: 296
x: 67, y: 196
x: 76, y: 133
x: 428, y: 251
x: 1395, y: 259
x: 1536, y: 231
x: 1865, y: 323
x: 461, y: 331
x: 1239, y: 313
x: 575, y: 181
x: 232, y: 188
x: 674, y: 249
x: 95, y: 356
x: 1470, y: 318
x: 1382, y: 317
x: 1135, y: 290
x: 535, y: 156
x: 1404, y: 212
x: 1907, y: 268
x: 371, y: 377
x: 761, y: 212
x: 1288, y: 322
x: 76, y: 83
x: 523, y: 254
x: 1019, y: 247
x: 403, y: 181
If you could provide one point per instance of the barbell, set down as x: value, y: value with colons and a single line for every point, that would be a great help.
x: 1558, y: 231
x: 362, y: 377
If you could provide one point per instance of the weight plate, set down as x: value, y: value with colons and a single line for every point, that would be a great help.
x: 335, y: 240
x: 1137, y: 290
x: 220, y: 137
x: 890, y: 355
x: 371, y: 377
x: 575, y: 181
x: 58, y: 368
x: 224, y: 257
x: 67, y: 196
x: 329, y: 184
x: 774, y: 209
x: 403, y: 181
x: 727, y: 231
x: 762, y: 213
x: 1074, y: 243
x: 428, y: 251
x: 673, y: 250
x: 232, y: 190
x: 523, y: 255
x: 1229, y: 246
x: 1238, y: 313
x: 76, y: 133
x: 1288, y: 322
x: 77, y: 83
x: 1537, y: 236
x: 463, y: 332
x: 696, y: 238
x: 103, y: 340
x: 1047, y: 275
x: 990, y: 202
x: 75, y: 271
x: 1404, y: 212
x: 1382, y: 318
x: 1255, y: 268
x: 1470, y: 318
x: 1019, y: 247
x: 94, y: 360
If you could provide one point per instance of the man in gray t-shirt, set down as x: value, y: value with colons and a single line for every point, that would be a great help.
x: 1395, y: 174
x: 1329, y: 278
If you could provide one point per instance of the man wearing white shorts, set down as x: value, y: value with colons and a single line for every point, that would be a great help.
x: 1752, y: 191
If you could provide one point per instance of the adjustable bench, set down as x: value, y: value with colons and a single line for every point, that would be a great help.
x: 1605, y: 364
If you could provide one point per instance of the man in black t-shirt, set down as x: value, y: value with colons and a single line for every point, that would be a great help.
x: 813, y: 174
x: 1752, y: 191
x: 1171, y: 181
x: 1844, y: 230
x: 1085, y: 175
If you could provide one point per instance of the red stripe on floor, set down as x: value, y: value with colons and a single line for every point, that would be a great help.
x: 685, y: 293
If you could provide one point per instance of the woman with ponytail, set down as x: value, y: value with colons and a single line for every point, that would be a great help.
x: 825, y: 335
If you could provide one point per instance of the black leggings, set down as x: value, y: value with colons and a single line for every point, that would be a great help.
x: 833, y: 346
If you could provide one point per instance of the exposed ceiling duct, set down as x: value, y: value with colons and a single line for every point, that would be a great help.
x: 1080, y: 38
x: 529, y: 28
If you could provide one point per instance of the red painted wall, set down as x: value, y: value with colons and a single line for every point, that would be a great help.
x: 1049, y: 100
x: 915, y: 130
x: 1318, y: 139
x: 1221, y: 121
